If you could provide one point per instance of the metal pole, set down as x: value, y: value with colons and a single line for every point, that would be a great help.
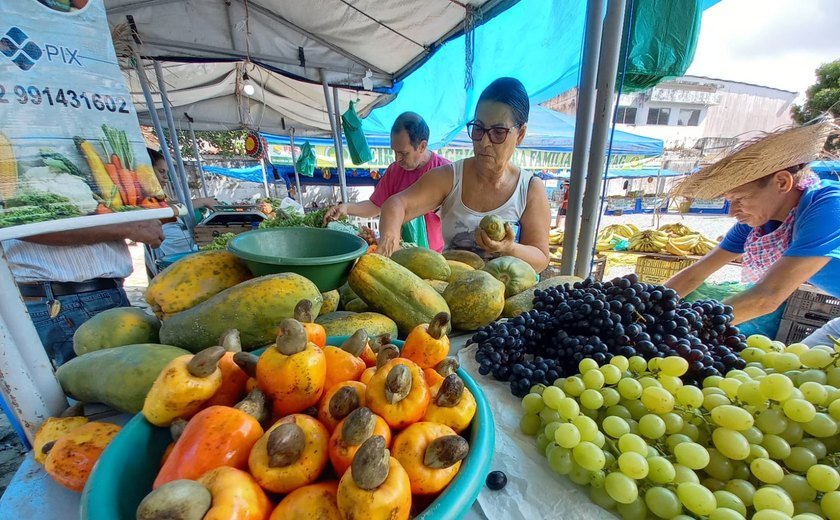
x: 265, y: 178
x: 607, y: 70
x: 179, y: 162
x: 27, y: 382
x: 342, y: 177
x: 197, y: 155
x: 294, y: 167
x: 150, y: 103
x: 583, y: 133
x: 336, y: 136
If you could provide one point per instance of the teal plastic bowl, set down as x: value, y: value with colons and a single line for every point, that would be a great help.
x: 166, y: 261
x: 324, y: 256
x: 129, y: 465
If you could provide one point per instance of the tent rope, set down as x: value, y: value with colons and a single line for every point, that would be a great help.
x: 471, y: 20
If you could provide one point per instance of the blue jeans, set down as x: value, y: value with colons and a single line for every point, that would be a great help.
x: 57, y: 333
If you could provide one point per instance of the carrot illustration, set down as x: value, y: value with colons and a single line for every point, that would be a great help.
x: 115, y: 159
x: 128, y: 187
x: 114, y: 174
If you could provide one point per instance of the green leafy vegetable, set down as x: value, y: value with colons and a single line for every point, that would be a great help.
x: 219, y: 243
x: 36, y: 207
x: 314, y: 219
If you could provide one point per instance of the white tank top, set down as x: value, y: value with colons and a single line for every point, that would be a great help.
x: 458, y: 222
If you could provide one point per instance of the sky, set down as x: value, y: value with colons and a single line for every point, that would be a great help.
x: 775, y: 43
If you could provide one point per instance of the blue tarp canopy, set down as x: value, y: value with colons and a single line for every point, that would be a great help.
x: 548, y: 130
x: 249, y: 173
x: 355, y: 176
x: 539, y: 42
x: 552, y: 131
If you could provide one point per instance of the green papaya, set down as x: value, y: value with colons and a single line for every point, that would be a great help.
x: 119, y: 377
x: 494, y: 226
x: 255, y: 308
x: 331, y: 299
x: 344, y: 323
x: 423, y: 262
x: 515, y: 273
x: 115, y: 328
x: 357, y: 305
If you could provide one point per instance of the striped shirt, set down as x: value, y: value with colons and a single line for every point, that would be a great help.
x: 32, y: 262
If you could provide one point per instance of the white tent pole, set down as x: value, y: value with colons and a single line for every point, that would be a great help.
x: 265, y: 178
x: 336, y: 136
x: 342, y: 179
x: 583, y: 133
x: 173, y: 135
x: 294, y: 166
x: 607, y: 69
x: 150, y: 104
x: 197, y: 155
x: 27, y: 381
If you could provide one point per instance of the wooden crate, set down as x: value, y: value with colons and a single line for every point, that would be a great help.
x: 657, y: 270
x: 205, y: 234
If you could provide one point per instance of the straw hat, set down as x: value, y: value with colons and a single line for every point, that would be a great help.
x: 756, y: 159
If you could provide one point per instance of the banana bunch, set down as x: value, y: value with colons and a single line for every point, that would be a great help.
x: 694, y: 244
x: 622, y: 230
x: 555, y: 237
x: 651, y: 241
x: 677, y: 230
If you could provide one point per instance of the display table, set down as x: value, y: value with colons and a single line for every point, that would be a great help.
x: 533, y: 490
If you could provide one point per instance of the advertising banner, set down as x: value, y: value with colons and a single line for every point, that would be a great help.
x: 70, y: 143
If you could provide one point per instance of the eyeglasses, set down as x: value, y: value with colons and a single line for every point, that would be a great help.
x: 497, y: 134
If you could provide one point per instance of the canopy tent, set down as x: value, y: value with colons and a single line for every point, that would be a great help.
x: 211, y: 95
x: 617, y: 173
x: 553, y: 131
x: 538, y: 42
x: 287, y: 48
x: 548, y: 131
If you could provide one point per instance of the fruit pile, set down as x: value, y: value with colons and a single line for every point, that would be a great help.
x: 601, y: 320
x: 761, y: 443
x: 337, y: 437
x: 675, y: 239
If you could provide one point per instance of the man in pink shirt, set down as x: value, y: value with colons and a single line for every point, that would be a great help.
x: 409, y: 140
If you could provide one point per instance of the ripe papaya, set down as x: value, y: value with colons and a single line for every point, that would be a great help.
x: 524, y: 301
x: 457, y: 268
x: 465, y: 257
x: 255, y: 308
x: 391, y: 289
x: 438, y: 285
x: 119, y: 377
x: 331, y: 299
x: 475, y: 299
x: 115, y: 328
x: 344, y: 323
x: 423, y: 262
x: 194, y: 279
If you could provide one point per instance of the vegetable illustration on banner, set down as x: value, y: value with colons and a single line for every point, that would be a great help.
x: 70, y: 143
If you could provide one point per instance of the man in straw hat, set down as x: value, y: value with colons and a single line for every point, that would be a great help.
x: 788, y: 226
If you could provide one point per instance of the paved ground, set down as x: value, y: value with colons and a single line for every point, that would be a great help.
x: 11, y: 450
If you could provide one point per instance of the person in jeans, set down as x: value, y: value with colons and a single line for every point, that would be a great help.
x: 66, y: 278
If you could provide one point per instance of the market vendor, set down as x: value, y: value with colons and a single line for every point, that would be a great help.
x: 409, y: 141
x: 486, y: 184
x: 788, y: 226
x: 177, y: 236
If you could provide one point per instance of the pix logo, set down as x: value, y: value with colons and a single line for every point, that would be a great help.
x: 18, y: 47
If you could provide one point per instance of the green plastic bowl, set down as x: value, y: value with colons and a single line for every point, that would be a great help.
x: 324, y: 256
x: 128, y: 467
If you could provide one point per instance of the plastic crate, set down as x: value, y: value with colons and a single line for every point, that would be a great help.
x: 651, y: 269
x: 812, y: 306
x: 793, y: 331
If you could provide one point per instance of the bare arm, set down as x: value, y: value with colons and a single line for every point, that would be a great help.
x: 425, y: 195
x: 691, y: 277
x: 778, y: 284
x: 366, y: 209
x: 147, y: 232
